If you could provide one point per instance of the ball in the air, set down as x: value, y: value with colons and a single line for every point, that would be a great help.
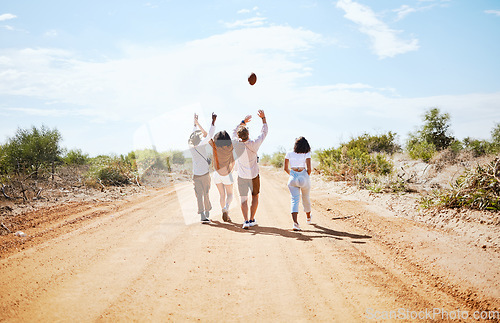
x: 252, y: 79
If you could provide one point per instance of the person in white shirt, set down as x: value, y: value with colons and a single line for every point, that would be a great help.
x: 201, y: 166
x: 247, y: 168
x: 298, y: 166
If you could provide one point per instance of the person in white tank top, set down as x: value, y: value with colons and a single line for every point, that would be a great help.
x: 298, y: 166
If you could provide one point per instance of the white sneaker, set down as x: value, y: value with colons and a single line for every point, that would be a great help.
x: 253, y: 223
x: 309, y: 220
x: 246, y: 225
x: 296, y: 227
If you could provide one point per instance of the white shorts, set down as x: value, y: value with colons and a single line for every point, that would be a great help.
x: 226, y: 180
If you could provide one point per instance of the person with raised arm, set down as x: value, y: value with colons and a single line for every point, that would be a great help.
x: 201, y: 166
x: 247, y: 167
x: 223, y: 153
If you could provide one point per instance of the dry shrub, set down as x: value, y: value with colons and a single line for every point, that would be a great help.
x: 477, y: 188
x: 444, y: 158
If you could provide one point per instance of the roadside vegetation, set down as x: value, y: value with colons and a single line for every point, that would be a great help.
x: 33, y: 161
x: 478, y: 188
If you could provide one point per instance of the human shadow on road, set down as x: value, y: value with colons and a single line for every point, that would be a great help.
x: 304, y: 235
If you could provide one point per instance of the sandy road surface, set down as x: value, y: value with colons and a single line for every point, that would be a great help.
x: 145, y: 260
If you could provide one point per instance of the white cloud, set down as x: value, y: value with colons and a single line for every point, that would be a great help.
x: 7, y: 16
x: 493, y: 12
x: 51, y: 33
x: 250, y: 22
x: 40, y: 112
x: 385, y: 42
x: 403, y: 11
x: 147, y: 80
x: 245, y: 11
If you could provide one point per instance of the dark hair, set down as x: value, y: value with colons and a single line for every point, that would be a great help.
x: 243, y: 133
x: 222, y: 139
x: 301, y: 146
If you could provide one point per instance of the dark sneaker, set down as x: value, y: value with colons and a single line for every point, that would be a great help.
x: 225, y: 216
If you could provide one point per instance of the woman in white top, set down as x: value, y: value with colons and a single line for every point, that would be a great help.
x: 298, y: 166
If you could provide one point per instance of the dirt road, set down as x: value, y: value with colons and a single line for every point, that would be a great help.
x: 147, y: 259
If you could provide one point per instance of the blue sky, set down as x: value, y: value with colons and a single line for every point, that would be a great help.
x: 113, y: 76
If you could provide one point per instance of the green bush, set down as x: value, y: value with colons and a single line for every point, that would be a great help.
x: 436, y: 129
x: 75, y: 157
x: 420, y: 150
x: 384, y: 143
x: 434, y: 135
x: 32, y: 149
x: 345, y: 164
x: 110, y: 170
x: 278, y: 159
x: 5, y: 166
x: 148, y: 159
x: 477, y: 147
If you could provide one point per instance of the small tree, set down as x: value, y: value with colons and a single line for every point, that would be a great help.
x: 30, y: 149
x: 75, y: 157
x: 433, y: 135
x: 436, y: 129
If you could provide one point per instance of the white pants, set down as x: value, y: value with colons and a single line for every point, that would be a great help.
x: 299, y: 182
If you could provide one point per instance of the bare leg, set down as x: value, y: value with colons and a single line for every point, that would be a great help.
x: 222, y: 194
x: 253, y: 207
x: 244, y: 207
x: 229, y: 195
x: 294, y: 217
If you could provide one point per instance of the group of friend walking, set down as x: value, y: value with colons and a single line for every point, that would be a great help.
x: 239, y: 152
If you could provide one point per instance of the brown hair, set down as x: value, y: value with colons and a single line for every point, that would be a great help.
x: 301, y: 146
x: 243, y: 133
